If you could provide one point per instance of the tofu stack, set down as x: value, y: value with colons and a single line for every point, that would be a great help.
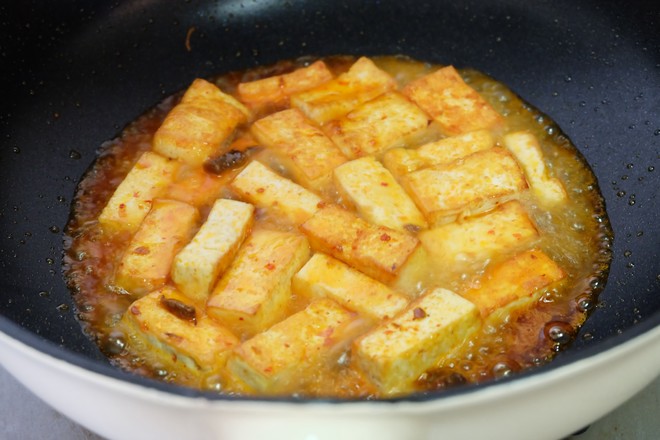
x: 327, y: 244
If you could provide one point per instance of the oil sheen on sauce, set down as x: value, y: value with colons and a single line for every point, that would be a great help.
x: 576, y: 236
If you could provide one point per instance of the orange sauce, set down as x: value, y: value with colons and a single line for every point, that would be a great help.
x: 575, y: 235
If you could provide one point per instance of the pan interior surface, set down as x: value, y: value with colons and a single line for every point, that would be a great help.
x: 83, y: 71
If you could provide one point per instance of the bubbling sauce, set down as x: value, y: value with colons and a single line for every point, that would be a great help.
x: 575, y: 234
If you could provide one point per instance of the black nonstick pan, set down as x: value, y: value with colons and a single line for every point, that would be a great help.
x: 75, y: 72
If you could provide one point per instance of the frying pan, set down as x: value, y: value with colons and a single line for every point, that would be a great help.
x: 75, y: 72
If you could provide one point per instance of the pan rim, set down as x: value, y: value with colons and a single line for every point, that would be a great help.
x: 15, y: 332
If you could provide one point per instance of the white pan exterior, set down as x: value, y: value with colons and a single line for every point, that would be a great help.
x: 550, y: 405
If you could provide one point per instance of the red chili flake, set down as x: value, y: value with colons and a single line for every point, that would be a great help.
x: 260, y: 190
x: 385, y: 237
x: 491, y: 231
x: 141, y: 250
x: 327, y: 335
x: 384, y: 184
x: 270, y: 266
x: 419, y: 313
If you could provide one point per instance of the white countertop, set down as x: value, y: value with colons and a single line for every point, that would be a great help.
x: 24, y: 417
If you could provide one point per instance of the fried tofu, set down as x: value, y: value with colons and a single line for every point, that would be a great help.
x: 396, y: 352
x: 274, y: 91
x: 254, y: 293
x: 521, y: 277
x: 146, y: 263
x: 385, y: 122
x: 333, y: 99
x: 369, y: 187
x: 129, y: 204
x: 477, y: 239
x: 197, y: 266
x: 453, y: 104
x: 326, y: 277
x: 525, y: 147
x: 273, y: 361
x: 382, y: 253
x: 300, y: 146
x: 200, y: 124
x: 167, y: 324
x: 266, y: 189
x: 467, y: 186
x: 401, y: 161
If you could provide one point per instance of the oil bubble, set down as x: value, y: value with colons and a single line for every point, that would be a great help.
x: 558, y: 332
x: 584, y: 304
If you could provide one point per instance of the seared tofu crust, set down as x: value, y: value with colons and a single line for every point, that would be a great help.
x: 146, y: 263
x: 197, y: 127
x: 453, y: 104
x: 349, y: 229
x: 395, y: 353
x: 255, y: 291
x: 468, y: 186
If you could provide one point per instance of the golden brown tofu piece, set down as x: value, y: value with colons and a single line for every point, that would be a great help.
x: 401, y: 161
x: 387, y: 121
x: 254, y: 293
x: 131, y: 201
x: 177, y: 332
x: 301, y: 147
x: 369, y: 187
x: 333, y: 99
x: 453, y: 104
x: 518, y: 278
x: 197, y: 266
x: 476, y: 239
x: 396, y: 352
x: 274, y: 91
x: 377, y: 251
x: 324, y: 276
x: 264, y: 188
x: 467, y: 186
x: 146, y: 263
x: 200, y: 124
x: 272, y: 361
x: 525, y: 147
